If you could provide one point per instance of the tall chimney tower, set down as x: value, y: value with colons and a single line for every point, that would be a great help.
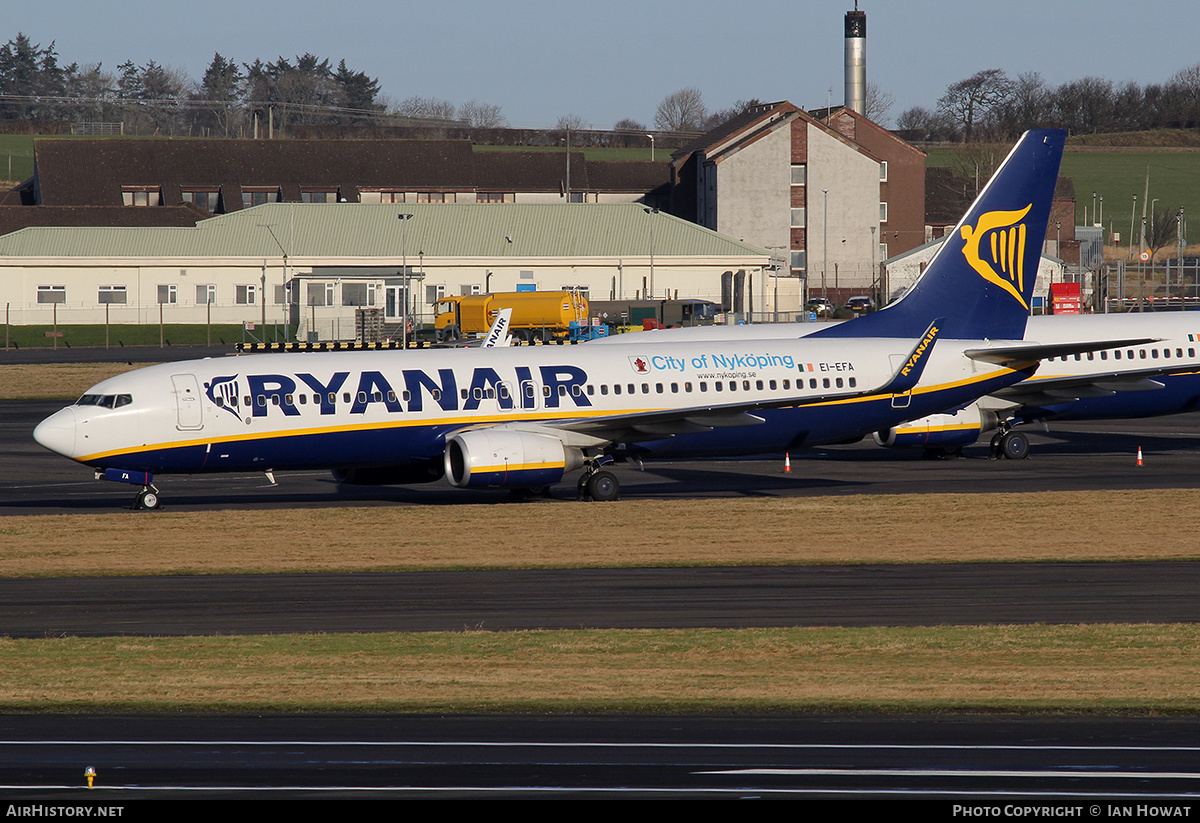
x: 856, y: 59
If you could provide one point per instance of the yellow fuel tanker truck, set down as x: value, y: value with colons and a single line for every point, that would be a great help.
x: 536, y: 315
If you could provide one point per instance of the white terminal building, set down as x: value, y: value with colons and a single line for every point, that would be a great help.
x: 316, y: 265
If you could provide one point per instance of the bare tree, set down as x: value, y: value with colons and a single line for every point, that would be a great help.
x: 574, y: 122
x: 629, y: 124
x: 682, y: 111
x: 739, y: 107
x: 923, y: 124
x: 1029, y: 106
x: 1087, y: 105
x: 877, y: 104
x: 481, y: 115
x: 1161, y: 229
x: 427, y: 107
x: 969, y: 101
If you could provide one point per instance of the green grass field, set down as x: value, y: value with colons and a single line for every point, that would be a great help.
x: 1118, y: 175
x: 173, y: 334
x: 16, y: 157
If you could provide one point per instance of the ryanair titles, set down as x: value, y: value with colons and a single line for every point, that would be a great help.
x: 257, y: 394
x: 919, y: 351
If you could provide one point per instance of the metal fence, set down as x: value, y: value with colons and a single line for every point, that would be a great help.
x: 1172, y: 283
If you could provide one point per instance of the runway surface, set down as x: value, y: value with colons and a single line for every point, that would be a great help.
x: 925, y: 595
x: 1094, y: 765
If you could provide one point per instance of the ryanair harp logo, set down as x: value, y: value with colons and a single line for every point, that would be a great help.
x: 995, y: 248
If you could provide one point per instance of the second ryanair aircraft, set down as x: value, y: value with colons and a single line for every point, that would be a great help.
x: 523, y: 417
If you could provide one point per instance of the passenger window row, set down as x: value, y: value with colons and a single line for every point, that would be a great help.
x: 1128, y: 354
x: 577, y: 390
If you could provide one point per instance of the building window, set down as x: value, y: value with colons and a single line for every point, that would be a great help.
x: 883, y: 212
x: 111, y: 294
x: 358, y: 294
x: 247, y: 295
x: 168, y: 293
x: 141, y: 196
x: 799, y: 175
x: 206, y: 294
x: 800, y: 260
x: 320, y: 294
x: 435, y: 293
x: 435, y: 197
x: 495, y: 197
x: 381, y: 196
x: 883, y: 172
x: 318, y: 196
x: 52, y: 294
x: 204, y: 198
x: 259, y: 196
x: 281, y: 295
x: 798, y: 219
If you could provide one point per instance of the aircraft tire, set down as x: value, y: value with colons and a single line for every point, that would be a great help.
x: 148, y: 500
x: 1015, y: 446
x: 603, y: 487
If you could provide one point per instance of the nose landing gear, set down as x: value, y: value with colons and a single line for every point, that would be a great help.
x: 147, y: 498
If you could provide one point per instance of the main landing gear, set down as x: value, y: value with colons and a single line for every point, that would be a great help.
x: 596, y: 483
x: 1009, y: 444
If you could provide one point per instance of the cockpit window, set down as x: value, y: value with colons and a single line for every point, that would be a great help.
x: 107, y: 401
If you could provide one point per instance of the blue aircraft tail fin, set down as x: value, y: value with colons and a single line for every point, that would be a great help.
x: 980, y: 282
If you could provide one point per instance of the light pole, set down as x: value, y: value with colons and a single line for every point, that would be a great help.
x: 777, y: 259
x: 651, y: 136
x: 876, y: 283
x: 1094, y: 223
x: 1132, y: 215
x: 1179, y: 232
x: 404, y: 218
x: 651, y: 212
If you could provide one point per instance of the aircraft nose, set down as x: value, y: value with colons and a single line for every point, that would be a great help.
x: 57, y: 432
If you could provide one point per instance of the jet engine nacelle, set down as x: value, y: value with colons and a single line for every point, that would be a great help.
x: 501, y: 457
x: 939, y: 431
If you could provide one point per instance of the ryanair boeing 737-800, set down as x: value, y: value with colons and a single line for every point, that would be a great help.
x: 523, y: 417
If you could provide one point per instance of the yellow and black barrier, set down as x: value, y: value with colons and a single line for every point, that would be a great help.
x: 337, y: 345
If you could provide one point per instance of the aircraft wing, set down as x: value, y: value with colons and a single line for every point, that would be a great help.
x: 1050, y: 391
x: 1005, y: 355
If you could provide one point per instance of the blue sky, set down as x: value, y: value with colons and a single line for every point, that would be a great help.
x: 613, y: 59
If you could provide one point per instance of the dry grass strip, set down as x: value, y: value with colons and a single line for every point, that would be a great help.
x: 926, y: 528
x: 1116, y: 668
x: 56, y: 381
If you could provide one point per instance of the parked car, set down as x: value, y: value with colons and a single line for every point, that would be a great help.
x: 860, y: 304
x: 820, y: 305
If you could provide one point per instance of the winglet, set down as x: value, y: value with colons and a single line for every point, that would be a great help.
x: 909, y: 374
x: 497, y: 336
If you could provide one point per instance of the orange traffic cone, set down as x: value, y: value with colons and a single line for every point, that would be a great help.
x: 1139, y: 455
x: 787, y: 463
